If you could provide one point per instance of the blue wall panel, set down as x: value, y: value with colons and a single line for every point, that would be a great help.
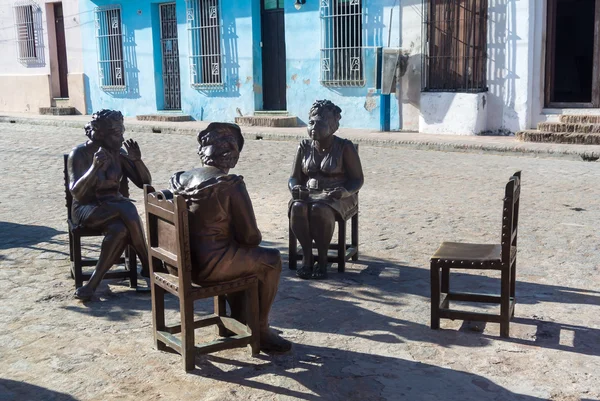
x: 242, y: 63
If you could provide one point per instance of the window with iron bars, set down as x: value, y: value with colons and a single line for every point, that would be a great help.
x: 109, y: 40
x: 455, y: 45
x: 341, y: 43
x: 204, y: 29
x: 26, y: 14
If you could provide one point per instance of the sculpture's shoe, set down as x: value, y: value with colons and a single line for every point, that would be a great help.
x: 84, y: 293
x: 272, y: 343
x: 320, y: 273
x: 305, y: 272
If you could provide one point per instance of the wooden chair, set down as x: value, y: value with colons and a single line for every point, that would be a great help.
x: 169, y: 252
x: 77, y: 232
x: 344, y: 251
x: 502, y: 257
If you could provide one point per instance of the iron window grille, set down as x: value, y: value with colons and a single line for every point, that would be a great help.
x: 28, y: 23
x: 342, y: 43
x: 454, y: 41
x: 204, y: 30
x: 109, y: 41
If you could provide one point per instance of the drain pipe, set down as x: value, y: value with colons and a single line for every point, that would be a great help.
x: 385, y: 100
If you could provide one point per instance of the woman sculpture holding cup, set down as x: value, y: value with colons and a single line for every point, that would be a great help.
x: 325, y: 181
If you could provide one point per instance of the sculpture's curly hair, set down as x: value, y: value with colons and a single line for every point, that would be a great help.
x: 101, y: 120
x: 327, y: 106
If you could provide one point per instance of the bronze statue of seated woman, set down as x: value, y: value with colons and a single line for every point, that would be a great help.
x: 325, y: 181
x: 95, y: 170
x: 224, y: 237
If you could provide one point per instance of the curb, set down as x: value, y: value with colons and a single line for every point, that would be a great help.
x: 514, y: 149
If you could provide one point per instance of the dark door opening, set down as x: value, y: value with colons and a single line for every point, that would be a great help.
x: 273, y: 55
x: 61, y: 50
x: 572, y: 54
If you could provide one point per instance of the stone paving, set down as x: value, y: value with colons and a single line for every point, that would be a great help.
x: 362, y: 335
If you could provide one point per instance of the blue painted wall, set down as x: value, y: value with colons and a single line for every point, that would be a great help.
x: 242, y: 63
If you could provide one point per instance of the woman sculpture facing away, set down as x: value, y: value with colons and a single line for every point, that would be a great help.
x: 325, y: 181
x: 224, y: 237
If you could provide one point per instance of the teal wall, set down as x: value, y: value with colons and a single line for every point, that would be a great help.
x: 242, y: 63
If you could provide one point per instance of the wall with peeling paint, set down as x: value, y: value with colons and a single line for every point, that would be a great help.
x: 512, y: 98
x: 360, y: 105
x: 144, y: 94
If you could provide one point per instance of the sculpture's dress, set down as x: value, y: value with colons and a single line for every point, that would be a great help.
x: 326, y: 175
x: 108, y: 190
x: 224, y: 237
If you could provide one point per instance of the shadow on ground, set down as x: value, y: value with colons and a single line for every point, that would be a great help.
x: 11, y: 390
x: 13, y: 235
x: 334, y: 374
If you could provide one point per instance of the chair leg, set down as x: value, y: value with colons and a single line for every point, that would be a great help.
x: 435, y: 296
x: 220, y: 310
x: 188, y: 346
x: 354, y: 233
x: 445, y: 280
x: 77, y: 261
x: 158, y: 314
x: 132, y: 266
x: 292, y: 250
x: 70, y: 246
x: 252, y: 317
x: 505, y: 302
x: 341, y: 246
x: 513, y: 280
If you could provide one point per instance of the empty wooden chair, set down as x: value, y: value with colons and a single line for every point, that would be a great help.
x: 170, y: 270
x: 77, y: 232
x: 502, y: 257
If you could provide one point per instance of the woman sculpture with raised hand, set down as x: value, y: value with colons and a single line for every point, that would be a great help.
x: 325, y: 181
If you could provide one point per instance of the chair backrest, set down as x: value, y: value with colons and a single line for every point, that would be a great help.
x: 167, y: 230
x: 510, y: 215
x: 123, y: 188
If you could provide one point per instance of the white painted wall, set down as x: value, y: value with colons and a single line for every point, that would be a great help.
x: 35, y: 80
x: 513, y: 71
x: 453, y: 113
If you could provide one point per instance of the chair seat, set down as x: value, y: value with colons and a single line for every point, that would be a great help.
x: 462, y: 251
x: 171, y: 283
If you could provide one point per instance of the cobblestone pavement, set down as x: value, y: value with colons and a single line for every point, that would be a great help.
x: 362, y: 335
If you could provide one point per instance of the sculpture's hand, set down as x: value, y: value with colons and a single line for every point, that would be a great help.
x: 297, y: 191
x: 338, y: 193
x: 100, y: 159
x: 133, y: 150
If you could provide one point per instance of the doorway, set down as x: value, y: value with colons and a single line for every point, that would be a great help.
x: 273, y: 55
x: 572, y: 54
x: 170, y: 57
x: 61, y: 50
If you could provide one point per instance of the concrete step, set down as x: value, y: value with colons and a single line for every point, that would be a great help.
x: 280, y: 113
x: 579, y: 119
x: 267, y: 121
x: 168, y: 117
x: 58, y: 111
x: 61, y: 102
x: 559, y: 137
x: 569, y: 128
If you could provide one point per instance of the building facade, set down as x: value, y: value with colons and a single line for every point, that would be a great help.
x: 466, y: 66
x: 41, y: 63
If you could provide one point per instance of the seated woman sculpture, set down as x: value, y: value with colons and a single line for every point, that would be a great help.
x: 224, y: 237
x: 95, y: 170
x: 325, y: 180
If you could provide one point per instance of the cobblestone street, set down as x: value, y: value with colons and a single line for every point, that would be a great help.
x: 361, y: 335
